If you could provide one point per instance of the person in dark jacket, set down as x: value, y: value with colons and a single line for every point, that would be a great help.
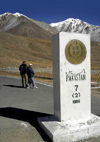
x: 30, y: 74
x: 23, y: 73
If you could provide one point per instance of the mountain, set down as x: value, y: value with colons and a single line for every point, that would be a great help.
x: 78, y: 26
x: 19, y: 24
x: 29, y: 29
x: 45, y: 26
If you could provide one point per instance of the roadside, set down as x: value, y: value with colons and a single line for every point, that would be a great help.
x: 46, y: 75
x: 41, y: 74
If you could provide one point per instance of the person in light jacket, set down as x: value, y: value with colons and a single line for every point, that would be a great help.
x: 30, y: 74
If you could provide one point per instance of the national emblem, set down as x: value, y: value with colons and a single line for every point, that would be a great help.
x: 75, y: 52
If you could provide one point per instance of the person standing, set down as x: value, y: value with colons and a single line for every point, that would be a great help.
x: 23, y: 73
x: 30, y: 74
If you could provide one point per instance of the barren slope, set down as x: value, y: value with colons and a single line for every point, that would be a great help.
x: 15, y: 49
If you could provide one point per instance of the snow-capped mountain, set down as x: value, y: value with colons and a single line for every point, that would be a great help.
x: 9, y: 21
x: 78, y: 26
x: 20, y: 24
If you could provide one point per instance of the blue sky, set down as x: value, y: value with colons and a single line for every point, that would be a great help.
x: 51, y: 11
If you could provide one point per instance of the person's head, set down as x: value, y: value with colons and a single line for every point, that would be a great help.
x: 24, y: 62
x: 30, y: 65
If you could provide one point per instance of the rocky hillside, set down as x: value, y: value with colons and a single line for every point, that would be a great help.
x: 19, y: 24
x: 29, y: 29
x: 46, y: 27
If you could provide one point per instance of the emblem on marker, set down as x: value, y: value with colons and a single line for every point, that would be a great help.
x: 75, y: 52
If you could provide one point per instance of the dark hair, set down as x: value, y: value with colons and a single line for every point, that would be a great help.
x: 24, y: 61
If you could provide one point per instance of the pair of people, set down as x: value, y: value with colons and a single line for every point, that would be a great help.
x: 27, y: 71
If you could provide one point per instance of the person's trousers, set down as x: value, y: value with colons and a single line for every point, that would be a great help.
x: 24, y: 80
x: 31, y: 80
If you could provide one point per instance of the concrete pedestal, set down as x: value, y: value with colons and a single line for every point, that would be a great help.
x: 70, y: 131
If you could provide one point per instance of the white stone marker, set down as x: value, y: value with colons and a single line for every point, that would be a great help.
x: 72, y: 120
x: 71, y: 78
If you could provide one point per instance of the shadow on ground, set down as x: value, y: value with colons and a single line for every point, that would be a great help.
x: 25, y: 115
x: 13, y: 86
